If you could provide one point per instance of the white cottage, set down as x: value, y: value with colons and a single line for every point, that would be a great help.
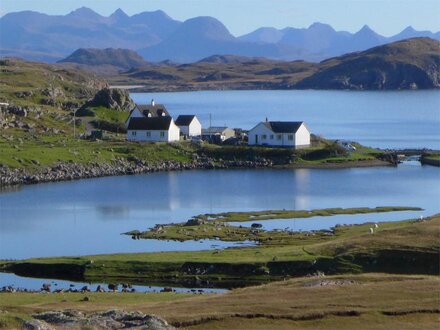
x: 153, y: 129
x: 280, y: 134
x: 189, y: 125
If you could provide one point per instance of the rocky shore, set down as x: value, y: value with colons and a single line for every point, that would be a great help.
x: 73, y: 171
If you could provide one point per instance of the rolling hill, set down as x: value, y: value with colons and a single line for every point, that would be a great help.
x: 408, y: 64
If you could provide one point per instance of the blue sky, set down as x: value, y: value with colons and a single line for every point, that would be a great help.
x: 386, y: 17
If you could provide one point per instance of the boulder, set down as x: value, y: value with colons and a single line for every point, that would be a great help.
x: 194, y: 222
x: 112, y: 98
x: 53, y: 92
x: 23, y: 94
x: 36, y: 325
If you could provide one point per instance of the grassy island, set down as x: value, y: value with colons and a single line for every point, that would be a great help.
x: 346, y: 249
x: 215, y: 226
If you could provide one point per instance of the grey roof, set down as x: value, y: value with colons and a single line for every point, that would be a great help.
x: 283, y: 126
x: 184, y: 120
x: 157, y: 110
x: 150, y: 123
x: 215, y: 130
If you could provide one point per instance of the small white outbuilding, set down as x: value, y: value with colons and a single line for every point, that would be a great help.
x: 293, y: 134
x: 189, y: 125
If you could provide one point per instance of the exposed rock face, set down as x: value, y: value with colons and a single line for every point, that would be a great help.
x: 112, y: 319
x: 36, y: 325
x: 112, y: 98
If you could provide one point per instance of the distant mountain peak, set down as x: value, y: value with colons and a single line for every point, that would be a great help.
x: 84, y: 12
x: 119, y: 14
x: 319, y: 25
x: 409, y: 28
x: 365, y: 29
x: 160, y: 12
x: 206, y: 26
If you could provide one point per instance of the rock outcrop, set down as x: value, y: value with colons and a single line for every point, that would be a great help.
x: 112, y: 98
x: 112, y: 319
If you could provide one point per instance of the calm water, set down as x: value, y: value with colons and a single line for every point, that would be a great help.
x: 88, y: 216
x: 401, y: 119
x: 35, y: 284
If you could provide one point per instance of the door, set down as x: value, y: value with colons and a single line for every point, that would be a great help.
x: 256, y: 138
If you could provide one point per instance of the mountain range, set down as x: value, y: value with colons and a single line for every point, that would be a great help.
x: 158, y: 37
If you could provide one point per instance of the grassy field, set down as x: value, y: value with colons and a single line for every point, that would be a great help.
x: 36, y: 152
x: 373, y: 301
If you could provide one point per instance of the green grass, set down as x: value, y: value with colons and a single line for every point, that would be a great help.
x: 291, y: 214
x: 34, y: 153
x: 215, y: 226
x: 109, y: 114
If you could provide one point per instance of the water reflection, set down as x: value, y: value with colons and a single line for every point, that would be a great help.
x: 302, y: 188
x: 88, y: 216
x: 117, y: 212
x: 34, y: 284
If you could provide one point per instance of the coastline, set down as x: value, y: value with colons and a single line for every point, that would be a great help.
x: 67, y: 171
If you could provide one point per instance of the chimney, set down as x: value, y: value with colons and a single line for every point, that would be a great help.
x: 152, y: 102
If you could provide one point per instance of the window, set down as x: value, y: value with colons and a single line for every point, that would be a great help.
x: 133, y: 133
x: 263, y: 137
x: 279, y: 136
x: 162, y: 134
x: 148, y: 134
x: 271, y: 136
x: 290, y: 137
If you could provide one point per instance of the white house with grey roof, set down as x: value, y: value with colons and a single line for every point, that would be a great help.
x: 153, y: 129
x: 293, y: 134
x: 147, y: 110
x: 189, y: 125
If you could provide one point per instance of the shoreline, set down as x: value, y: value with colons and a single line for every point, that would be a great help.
x: 66, y: 171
